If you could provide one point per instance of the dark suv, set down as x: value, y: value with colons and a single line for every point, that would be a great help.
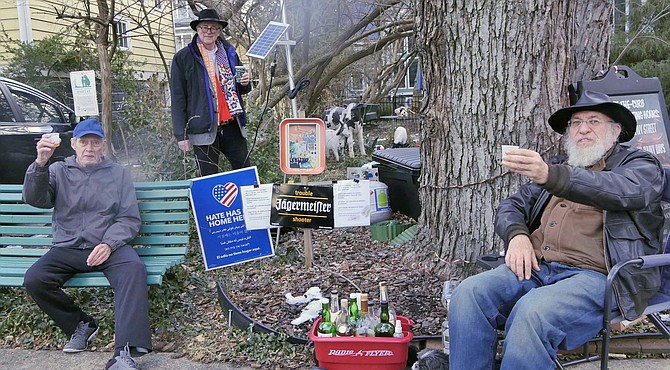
x: 25, y: 114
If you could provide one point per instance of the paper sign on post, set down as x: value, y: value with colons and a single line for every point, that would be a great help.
x: 257, y: 203
x: 84, y: 93
x: 351, y: 203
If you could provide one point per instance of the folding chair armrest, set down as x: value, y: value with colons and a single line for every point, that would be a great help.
x: 655, y: 260
x: 614, y: 272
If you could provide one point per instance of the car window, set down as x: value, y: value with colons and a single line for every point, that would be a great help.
x: 6, y: 114
x: 37, y: 110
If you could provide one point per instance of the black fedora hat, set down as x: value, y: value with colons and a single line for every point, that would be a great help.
x: 208, y: 15
x: 599, y: 102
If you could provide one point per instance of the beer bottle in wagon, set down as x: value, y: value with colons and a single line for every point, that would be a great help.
x: 326, y: 327
x: 384, y: 328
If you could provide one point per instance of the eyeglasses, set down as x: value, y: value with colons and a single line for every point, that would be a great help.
x: 95, y: 143
x: 592, y: 123
x: 210, y: 29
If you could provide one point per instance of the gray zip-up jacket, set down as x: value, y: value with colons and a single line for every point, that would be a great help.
x: 92, y: 205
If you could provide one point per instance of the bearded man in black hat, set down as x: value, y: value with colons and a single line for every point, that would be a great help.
x: 563, y: 231
x: 207, y: 107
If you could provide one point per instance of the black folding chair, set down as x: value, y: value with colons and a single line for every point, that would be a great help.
x: 657, y: 303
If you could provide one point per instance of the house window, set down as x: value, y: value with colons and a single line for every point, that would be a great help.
x: 122, y: 34
x: 182, y: 41
x: 182, y: 12
x: 182, y: 36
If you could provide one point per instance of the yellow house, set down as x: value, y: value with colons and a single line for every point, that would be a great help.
x: 28, y: 20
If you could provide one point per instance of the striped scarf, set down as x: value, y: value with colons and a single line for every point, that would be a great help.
x: 224, y: 84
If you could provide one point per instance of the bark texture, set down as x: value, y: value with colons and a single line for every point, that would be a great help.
x: 494, y: 71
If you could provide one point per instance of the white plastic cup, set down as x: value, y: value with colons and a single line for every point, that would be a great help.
x: 506, y: 148
x: 55, y: 138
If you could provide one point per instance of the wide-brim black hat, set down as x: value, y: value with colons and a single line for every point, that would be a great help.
x: 208, y: 15
x: 599, y: 102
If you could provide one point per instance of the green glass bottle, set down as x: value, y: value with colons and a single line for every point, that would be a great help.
x: 384, y: 328
x: 354, y: 312
x: 326, y: 327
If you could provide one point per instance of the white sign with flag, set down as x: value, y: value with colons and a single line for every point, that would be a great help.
x: 84, y: 93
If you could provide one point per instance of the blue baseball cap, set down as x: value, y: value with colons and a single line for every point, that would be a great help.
x: 88, y: 126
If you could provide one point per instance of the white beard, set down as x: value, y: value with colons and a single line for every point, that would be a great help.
x: 588, y: 156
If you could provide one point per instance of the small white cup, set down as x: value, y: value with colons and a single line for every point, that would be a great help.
x: 55, y: 138
x: 506, y: 148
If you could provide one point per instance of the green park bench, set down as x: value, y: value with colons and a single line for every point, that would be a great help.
x: 25, y: 233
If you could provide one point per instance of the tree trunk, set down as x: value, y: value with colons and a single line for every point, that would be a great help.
x: 493, y: 72
x: 105, y: 57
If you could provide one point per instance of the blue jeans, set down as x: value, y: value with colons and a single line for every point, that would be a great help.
x: 559, y: 306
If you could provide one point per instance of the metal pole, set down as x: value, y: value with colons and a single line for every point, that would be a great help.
x: 289, y: 63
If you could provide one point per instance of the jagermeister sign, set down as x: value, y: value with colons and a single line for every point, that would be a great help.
x: 304, y: 206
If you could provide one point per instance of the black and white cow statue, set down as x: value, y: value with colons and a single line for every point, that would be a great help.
x: 336, y: 117
x: 336, y: 139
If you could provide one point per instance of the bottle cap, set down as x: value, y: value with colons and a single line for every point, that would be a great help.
x: 364, y: 296
x: 353, y: 295
x: 324, y: 300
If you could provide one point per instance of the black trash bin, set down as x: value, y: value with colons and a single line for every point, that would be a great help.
x: 399, y: 169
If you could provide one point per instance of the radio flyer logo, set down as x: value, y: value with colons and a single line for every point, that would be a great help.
x: 225, y: 194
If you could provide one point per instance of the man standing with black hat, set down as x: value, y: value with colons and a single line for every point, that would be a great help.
x: 207, y: 107
x: 563, y: 231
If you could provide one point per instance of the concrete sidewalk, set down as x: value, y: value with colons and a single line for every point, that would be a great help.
x: 628, y: 364
x: 21, y: 359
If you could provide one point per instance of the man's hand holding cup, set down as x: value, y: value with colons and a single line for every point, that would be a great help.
x: 46, y: 147
x: 525, y: 162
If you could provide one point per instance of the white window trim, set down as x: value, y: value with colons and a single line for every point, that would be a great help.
x: 126, y: 37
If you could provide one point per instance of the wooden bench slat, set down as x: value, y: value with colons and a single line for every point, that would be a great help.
x: 22, y: 208
x: 160, y: 240
x: 25, y: 241
x: 37, y: 252
x: 21, y: 270
x: 155, y: 228
x: 161, y: 194
x: 164, y: 206
x: 10, y: 187
x: 25, y: 219
x: 165, y: 217
x: 25, y: 262
x: 10, y: 197
x: 78, y: 281
x: 178, y: 184
x: 24, y: 229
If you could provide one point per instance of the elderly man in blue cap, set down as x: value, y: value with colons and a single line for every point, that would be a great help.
x: 95, y: 216
x: 563, y: 231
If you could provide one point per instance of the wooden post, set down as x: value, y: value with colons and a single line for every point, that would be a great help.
x: 307, y: 234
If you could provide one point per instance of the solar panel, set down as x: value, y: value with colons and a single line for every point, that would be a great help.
x: 267, y: 40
